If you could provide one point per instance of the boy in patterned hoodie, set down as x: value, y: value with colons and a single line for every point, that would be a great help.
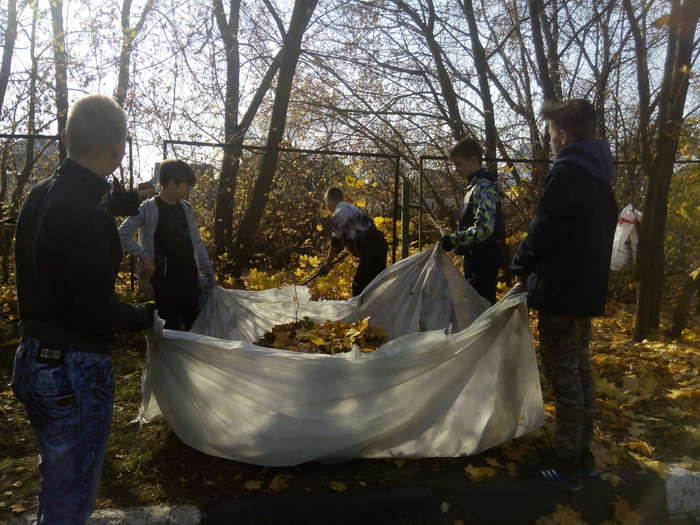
x: 481, y: 228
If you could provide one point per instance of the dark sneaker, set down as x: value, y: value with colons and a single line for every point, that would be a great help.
x: 588, y: 466
x: 564, y: 473
x: 559, y: 475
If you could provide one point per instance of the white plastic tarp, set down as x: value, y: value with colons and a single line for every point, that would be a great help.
x: 455, y: 379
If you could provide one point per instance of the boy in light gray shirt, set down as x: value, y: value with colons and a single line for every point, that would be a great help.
x: 172, y: 253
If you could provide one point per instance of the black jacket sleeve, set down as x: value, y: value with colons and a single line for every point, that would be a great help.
x: 557, y: 205
x: 92, y: 273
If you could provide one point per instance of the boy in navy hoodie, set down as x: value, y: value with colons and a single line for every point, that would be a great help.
x: 564, y: 262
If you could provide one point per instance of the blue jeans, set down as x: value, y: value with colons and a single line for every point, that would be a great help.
x: 70, y: 408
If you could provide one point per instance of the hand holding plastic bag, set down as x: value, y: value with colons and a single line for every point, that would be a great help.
x: 155, y: 331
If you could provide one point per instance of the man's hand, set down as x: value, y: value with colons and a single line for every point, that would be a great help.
x: 149, y: 267
x: 155, y: 331
x: 447, y: 243
x: 146, y: 194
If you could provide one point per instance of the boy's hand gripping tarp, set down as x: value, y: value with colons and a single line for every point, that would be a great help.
x: 467, y: 382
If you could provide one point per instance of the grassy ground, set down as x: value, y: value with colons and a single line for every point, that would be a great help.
x: 648, y: 399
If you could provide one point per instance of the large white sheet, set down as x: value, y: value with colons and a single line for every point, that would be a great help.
x: 456, y: 378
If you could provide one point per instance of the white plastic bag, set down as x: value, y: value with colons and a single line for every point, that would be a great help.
x: 423, y: 394
x: 626, y: 238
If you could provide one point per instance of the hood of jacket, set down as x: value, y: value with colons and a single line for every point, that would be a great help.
x: 593, y: 156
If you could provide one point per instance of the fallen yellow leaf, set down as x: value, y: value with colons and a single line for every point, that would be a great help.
x: 253, y: 485
x: 563, y: 515
x: 493, y: 463
x: 479, y: 473
x: 623, y: 513
x: 612, y: 478
x: 338, y: 486
x: 657, y: 466
x: 278, y: 483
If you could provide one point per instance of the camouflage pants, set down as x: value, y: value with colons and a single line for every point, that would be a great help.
x: 564, y: 341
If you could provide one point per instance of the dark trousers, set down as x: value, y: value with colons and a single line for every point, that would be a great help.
x: 177, y: 302
x: 372, y: 251
x: 481, y: 267
x: 564, y: 342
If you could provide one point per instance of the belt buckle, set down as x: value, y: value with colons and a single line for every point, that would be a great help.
x: 50, y: 353
x: 50, y: 356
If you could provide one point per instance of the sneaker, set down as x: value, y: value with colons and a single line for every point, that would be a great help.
x: 588, y: 466
x: 563, y: 473
x: 559, y: 475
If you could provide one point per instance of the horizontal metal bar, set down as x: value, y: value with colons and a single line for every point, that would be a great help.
x: 19, y: 136
x: 524, y: 161
x: 285, y: 150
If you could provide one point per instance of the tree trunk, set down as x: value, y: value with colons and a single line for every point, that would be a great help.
x: 129, y: 35
x: 6, y: 234
x: 301, y: 15
x: 485, y: 90
x: 234, y: 131
x: 8, y: 49
x: 672, y: 97
x: 446, y: 88
x: 545, y: 80
x: 683, y: 305
x: 60, y: 64
x: 223, y: 225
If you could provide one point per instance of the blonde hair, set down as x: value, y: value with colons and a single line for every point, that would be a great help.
x: 95, y: 124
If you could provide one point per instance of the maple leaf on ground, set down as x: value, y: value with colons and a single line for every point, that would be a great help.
x: 563, y: 515
x: 338, y: 486
x: 278, y: 483
x: 493, y: 463
x: 624, y: 513
x: 612, y: 478
x: 657, y: 466
x: 479, y: 473
x: 253, y: 485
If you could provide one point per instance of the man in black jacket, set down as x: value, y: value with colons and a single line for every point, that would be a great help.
x: 565, y: 261
x: 67, y: 254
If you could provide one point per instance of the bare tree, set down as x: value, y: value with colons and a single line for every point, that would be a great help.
x: 129, y: 35
x: 61, y: 67
x: 8, y: 48
x: 235, y: 130
x: 29, y: 156
x: 682, y: 26
x: 481, y: 64
x: 301, y: 15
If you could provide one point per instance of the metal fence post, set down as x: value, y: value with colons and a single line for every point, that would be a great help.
x: 405, y: 216
x: 420, y: 204
x: 396, y: 209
